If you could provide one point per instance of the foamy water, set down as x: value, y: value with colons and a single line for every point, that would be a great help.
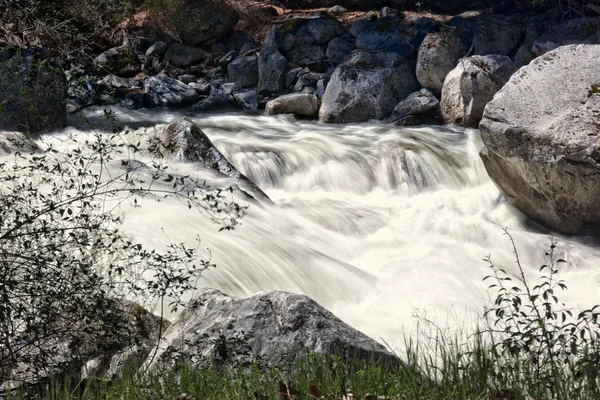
x: 372, y: 221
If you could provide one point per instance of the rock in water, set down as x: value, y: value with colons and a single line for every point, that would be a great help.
x: 299, y: 104
x: 541, y: 139
x: 275, y: 327
x: 367, y: 85
x: 184, y: 141
x: 471, y: 85
x: 163, y: 91
x: 33, y: 91
x: 418, y: 103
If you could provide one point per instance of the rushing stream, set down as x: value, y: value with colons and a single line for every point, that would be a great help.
x: 373, y: 221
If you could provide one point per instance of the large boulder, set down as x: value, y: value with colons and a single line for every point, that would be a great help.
x: 541, y: 139
x: 576, y: 31
x: 271, y: 71
x: 324, y: 29
x: 162, y: 91
x: 33, y: 91
x: 198, y: 21
x: 471, y: 85
x: 121, y: 60
x: 181, y: 55
x: 299, y: 104
x: 438, y: 55
x: 183, y: 140
x: 497, y: 35
x: 277, y: 328
x: 367, y: 85
x: 338, y: 49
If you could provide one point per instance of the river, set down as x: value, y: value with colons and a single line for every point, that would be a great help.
x: 376, y: 223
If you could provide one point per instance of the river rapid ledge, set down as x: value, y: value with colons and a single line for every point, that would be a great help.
x: 367, y: 179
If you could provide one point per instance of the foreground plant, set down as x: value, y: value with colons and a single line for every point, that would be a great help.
x: 65, y: 263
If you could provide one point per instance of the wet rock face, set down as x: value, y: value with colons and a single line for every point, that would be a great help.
x: 184, y: 141
x: 276, y: 327
x: 33, y: 91
x: 471, y: 85
x: 162, y: 91
x: 541, y: 139
x: 299, y: 104
x: 367, y: 85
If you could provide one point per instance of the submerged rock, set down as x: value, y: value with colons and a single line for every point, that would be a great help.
x: 274, y: 327
x: 541, y: 139
x: 183, y: 140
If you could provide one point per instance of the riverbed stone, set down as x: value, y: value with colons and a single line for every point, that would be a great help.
x: 541, y: 139
x: 367, y: 85
x: 271, y: 71
x: 471, y: 85
x: 299, y: 104
x: 244, y: 71
x: 163, y: 91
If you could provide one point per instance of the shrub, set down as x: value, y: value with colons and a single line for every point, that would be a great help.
x: 64, y: 260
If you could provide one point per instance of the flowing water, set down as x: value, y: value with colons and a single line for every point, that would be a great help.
x: 374, y: 222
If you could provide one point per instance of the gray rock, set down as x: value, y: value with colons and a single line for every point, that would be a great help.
x: 421, y: 102
x: 299, y: 104
x: 292, y: 76
x: 308, y: 79
x: 201, y: 87
x: 119, y: 61
x: 497, y: 35
x: 367, y: 85
x: 575, y: 31
x: 357, y: 27
x: 320, y: 90
x: 217, y: 103
x: 308, y: 55
x: 248, y: 100
x: 222, y: 88
x: 271, y: 71
x: 337, y: 50
x: 541, y: 139
x: 288, y: 42
x: 337, y: 10
x: 438, y: 55
x: 184, y: 141
x: 247, y: 48
x: 324, y: 29
x: 385, y: 34
x: 33, y: 91
x: 163, y: 91
x: 388, y: 12
x: 277, y: 328
x: 155, y: 52
x: 471, y: 85
x: 244, y: 71
x: 523, y: 56
x: 198, y: 21
x: 181, y: 55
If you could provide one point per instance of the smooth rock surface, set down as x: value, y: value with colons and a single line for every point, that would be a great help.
x: 299, y: 104
x: 471, y: 85
x: 438, y: 54
x: 541, y: 139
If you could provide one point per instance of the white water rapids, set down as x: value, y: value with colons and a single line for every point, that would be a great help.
x: 370, y: 220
